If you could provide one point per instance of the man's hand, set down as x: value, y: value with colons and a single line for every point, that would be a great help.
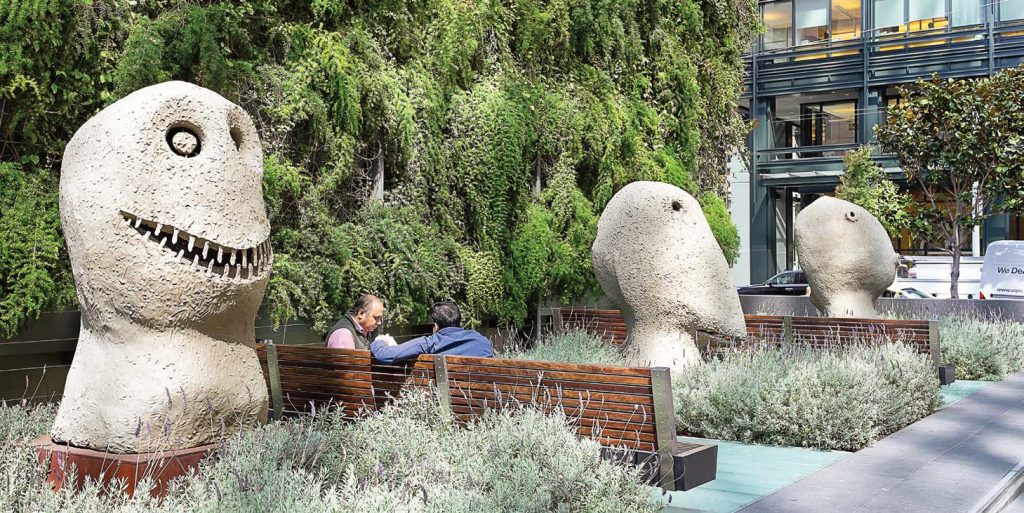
x: 387, y: 339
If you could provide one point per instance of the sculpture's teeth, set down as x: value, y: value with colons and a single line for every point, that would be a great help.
x: 248, y: 270
x: 206, y: 249
x: 209, y: 268
x: 238, y: 271
x: 191, y: 243
x: 245, y: 257
x: 163, y: 240
x: 159, y: 228
x: 174, y: 239
x: 220, y: 254
x: 232, y: 257
x: 128, y: 221
x: 138, y: 222
x: 180, y: 252
x: 195, y: 261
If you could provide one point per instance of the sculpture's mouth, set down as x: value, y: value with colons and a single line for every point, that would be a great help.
x: 200, y: 254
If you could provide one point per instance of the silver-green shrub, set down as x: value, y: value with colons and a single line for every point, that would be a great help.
x: 408, y: 457
x: 829, y: 399
x: 573, y: 346
x: 984, y: 349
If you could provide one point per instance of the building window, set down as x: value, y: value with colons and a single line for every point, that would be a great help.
x: 891, y: 99
x: 811, y: 21
x: 778, y: 21
x: 926, y: 15
x: 1010, y: 10
x: 967, y: 12
x: 889, y: 16
x: 899, y: 16
x: 827, y: 124
x: 845, y: 19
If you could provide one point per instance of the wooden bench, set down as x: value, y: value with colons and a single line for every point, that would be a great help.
x: 629, y: 411
x: 815, y: 331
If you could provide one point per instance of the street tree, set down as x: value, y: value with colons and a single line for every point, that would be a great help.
x: 961, y: 141
x: 864, y: 183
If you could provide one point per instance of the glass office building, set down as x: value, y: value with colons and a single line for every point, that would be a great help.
x: 820, y: 78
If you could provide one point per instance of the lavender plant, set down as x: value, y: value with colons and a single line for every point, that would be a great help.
x: 407, y: 457
x: 839, y: 398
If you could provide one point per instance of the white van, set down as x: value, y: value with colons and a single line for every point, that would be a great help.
x: 1002, y: 274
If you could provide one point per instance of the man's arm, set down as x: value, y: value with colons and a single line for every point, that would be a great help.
x: 403, y: 351
x: 341, y: 339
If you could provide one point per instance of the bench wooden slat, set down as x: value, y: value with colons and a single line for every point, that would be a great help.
x: 571, y: 404
x: 641, y: 419
x: 634, y: 423
x: 551, y: 383
x: 550, y: 375
x: 533, y: 380
x: 486, y: 389
x: 454, y: 361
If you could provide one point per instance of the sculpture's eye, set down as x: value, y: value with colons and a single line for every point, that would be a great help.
x: 236, y: 136
x: 851, y: 216
x: 183, y: 141
x: 677, y: 206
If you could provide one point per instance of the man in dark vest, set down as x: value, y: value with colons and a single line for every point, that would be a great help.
x: 356, y: 329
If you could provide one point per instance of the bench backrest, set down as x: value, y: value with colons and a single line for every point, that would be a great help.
x: 815, y: 331
x: 624, y: 408
x: 606, y: 323
x: 614, y: 405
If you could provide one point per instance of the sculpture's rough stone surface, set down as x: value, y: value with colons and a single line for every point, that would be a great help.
x: 656, y: 257
x: 161, y: 205
x: 846, y: 255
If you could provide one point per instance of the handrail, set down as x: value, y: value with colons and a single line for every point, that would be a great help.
x: 808, y: 149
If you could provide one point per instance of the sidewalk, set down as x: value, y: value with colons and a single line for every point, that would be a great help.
x: 946, y: 462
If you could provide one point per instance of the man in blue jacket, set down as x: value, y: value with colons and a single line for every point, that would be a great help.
x: 448, y: 338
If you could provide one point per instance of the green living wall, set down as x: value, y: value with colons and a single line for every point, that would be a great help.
x: 501, y: 127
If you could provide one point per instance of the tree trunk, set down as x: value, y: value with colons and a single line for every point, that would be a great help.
x: 954, y: 272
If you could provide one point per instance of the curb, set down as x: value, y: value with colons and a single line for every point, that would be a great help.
x: 1003, y: 493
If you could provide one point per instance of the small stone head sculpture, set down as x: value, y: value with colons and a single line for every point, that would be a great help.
x: 656, y: 257
x: 846, y: 255
x: 162, y: 208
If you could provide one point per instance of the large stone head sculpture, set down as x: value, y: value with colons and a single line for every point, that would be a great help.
x: 846, y: 255
x: 656, y: 257
x: 162, y: 208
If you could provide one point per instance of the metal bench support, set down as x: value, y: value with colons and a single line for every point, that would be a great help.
x: 274, y: 371
x: 664, y: 425
x: 444, y: 394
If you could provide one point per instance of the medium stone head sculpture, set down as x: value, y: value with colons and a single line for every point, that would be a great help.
x: 162, y: 208
x: 656, y: 257
x: 846, y: 255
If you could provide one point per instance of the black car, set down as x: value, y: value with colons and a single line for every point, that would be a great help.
x: 786, y: 283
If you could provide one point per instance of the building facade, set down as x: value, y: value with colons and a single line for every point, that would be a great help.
x: 819, y: 80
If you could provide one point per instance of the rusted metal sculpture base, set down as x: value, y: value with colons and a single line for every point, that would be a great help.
x: 161, y: 466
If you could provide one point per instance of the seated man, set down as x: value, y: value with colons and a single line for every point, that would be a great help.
x: 448, y: 338
x: 355, y: 329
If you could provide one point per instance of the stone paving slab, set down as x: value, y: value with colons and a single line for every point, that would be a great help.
x: 946, y: 462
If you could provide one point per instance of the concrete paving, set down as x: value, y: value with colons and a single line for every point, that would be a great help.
x: 946, y: 462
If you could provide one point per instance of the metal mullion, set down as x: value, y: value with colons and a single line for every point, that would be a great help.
x: 828, y: 26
